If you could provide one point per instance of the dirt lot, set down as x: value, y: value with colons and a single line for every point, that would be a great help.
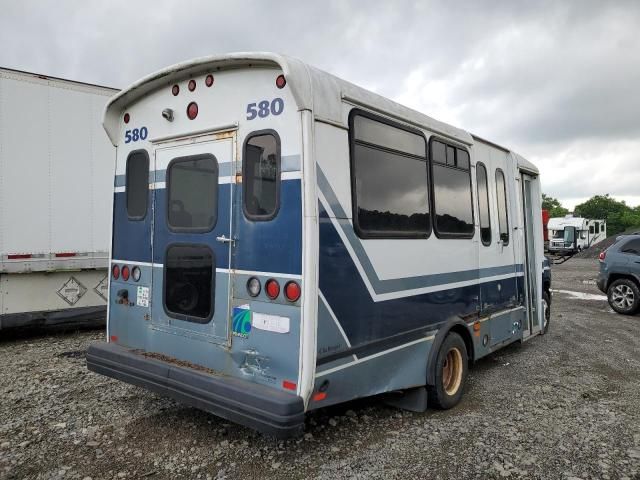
x: 566, y: 405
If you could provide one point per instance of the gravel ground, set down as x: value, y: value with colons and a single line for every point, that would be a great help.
x: 566, y: 405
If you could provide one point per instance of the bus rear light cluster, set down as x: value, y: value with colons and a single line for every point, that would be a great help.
x: 126, y: 272
x: 292, y: 289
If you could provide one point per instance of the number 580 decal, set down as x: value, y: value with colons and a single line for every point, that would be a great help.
x: 265, y: 108
x: 135, y: 135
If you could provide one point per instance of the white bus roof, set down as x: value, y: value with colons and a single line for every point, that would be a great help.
x: 313, y: 89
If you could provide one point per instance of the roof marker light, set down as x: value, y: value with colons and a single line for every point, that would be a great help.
x: 127, y: 117
x: 208, y: 81
x: 192, y: 85
x: 192, y: 110
x: 175, y: 90
x: 281, y: 81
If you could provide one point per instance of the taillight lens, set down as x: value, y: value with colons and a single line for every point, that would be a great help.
x: 115, y: 271
x: 125, y: 273
x: 136, y: 274
x: 192, y: 85
x: 253, y: 287
x: 209, y: 80
x: 292, y: 291
x: 602, y: 255
x: 192, y: 110
x: 175, y: 90
x: 281, y: 81
x: 272, y: 287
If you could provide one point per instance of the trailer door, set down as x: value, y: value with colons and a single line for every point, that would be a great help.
x: 191, y: 239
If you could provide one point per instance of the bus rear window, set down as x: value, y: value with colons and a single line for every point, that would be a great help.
x: 188, y: 293
x: 261, y: 175
x: 192, y: 185
x: 137, y: 186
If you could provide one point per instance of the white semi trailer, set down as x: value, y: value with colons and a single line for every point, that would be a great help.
x: 56, y: 183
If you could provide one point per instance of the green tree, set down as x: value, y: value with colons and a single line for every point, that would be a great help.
x: 553, y: 205
x: 618, y: 214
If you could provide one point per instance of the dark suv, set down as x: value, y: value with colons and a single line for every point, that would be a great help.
x: 619, y: 275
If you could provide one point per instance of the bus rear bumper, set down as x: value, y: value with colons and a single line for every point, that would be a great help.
x: 256, y: 406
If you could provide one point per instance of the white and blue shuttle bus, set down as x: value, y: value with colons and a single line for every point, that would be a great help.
x: 284, y: 240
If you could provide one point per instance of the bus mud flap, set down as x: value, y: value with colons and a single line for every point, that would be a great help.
x: 413, y: 399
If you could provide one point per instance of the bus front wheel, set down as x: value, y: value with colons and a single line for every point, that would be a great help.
x: 450, y: 373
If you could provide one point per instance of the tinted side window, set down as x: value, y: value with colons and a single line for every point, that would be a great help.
x: 591, y: 229
x: 261, y: 176
x: 188, y: 292
x: 452, y: 199
x: 137, y: 187
x: 632, y: 246
x: 483, y: 204
x: 501, y: 195
x: 192, y: 193
x: 597, y: 227
x: 389, y: 179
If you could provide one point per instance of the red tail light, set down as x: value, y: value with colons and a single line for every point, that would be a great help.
x: 289, y: 385
x: 272, y: 288
x: 292, y: 291
x: 115, y: 272
x: 192, y: 110
x: 125, y: 273
x: 602, y: 255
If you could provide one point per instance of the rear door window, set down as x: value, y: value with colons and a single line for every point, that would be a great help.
x: 137, y: 186
x: 189, y: 277
x: 261, y: 175
x: 192, y: 186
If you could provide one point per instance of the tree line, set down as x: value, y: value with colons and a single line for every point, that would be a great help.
x: 619, y: 216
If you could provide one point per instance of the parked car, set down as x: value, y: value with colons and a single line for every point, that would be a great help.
x: 619, y: 275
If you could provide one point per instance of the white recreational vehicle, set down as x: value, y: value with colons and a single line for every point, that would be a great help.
x: 55, y: 200
x: 571, y: 234
x: 285, y: 240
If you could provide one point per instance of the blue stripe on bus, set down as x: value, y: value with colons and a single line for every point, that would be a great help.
x: 365, y: 320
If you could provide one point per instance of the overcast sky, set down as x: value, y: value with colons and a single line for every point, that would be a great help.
x: 555, y: 81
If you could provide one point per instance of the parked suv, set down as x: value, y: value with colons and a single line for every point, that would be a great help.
x: 619, y: 275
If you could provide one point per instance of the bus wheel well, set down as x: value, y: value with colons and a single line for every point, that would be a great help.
x: 468, y: 341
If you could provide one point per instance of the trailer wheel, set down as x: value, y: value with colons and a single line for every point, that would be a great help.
x: 546, y: 317
x: 624, y: 296
x: 450, y: 373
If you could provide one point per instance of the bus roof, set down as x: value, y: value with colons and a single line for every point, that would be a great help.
x: 312, y: 89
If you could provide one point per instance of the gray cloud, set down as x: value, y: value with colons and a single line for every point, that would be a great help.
x: 555, y: 81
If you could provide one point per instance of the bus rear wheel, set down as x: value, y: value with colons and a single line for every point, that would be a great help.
x: 450, y: 373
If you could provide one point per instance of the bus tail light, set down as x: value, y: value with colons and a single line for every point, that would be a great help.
x: 272, y: 287
x: 115, y: 271
x: 253, y: 287
x: 192, y: 110
x: 292, y: 291
x: 125, y: 273
x: 136, y: 273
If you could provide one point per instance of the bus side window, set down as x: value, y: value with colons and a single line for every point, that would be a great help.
x: 137, y: 184
x: 261, y: 175
x: 503, y: 219
x: 389, y: 178
x: 452, y: 199
x: 483, y: 203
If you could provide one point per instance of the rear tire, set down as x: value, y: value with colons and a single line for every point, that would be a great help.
x: 624, y: 296
x: 450, y: 373
x: 546, y: 313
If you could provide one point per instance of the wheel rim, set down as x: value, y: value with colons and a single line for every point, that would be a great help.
x: 622, y: 297
x: 452, y: 371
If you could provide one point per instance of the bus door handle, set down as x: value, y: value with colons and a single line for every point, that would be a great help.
x: 223, y: 239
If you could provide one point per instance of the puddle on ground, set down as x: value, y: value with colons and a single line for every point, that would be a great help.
x: 581, y: 295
